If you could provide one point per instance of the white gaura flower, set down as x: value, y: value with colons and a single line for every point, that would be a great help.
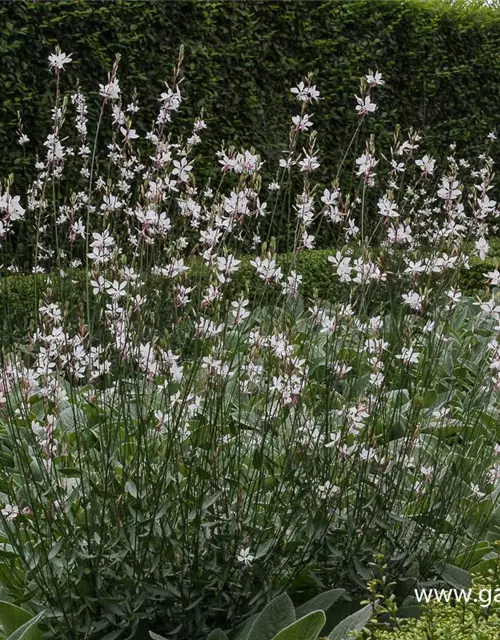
x: 408, y: 356
x: 352, y: 229
x: 267, y: 269
x: 365, y: 105
x: 10, y: 512
x: 110, y: 91
x: 182, y: 169
x: 377, y: 379
x: 454, y: 296
x: 239, y: 311
x: 115, y: 289
x: 206, y: 328
x: 292, y: 285
x: 490, y: 307
x: 111, y: 203
x: 387, y: 208
x: 366, y: 162
x: 227, y: 265
x: 343, y: 266
x: 401, y: 234
x: 128, y: 134
x: 493, y: 277
x: 448, y: 190
x: 413, y: 300
x: 182, y: 295
x: 102, y: 247
x: 58, y: 59
x: 330, y: 197
x: 308, y: 241
x: 306, y: 93
x: 476, y: 490
x: 302, y: 123
x: 426, y: 165
x: 429, y: 327
x: 99, y: 285
x: 374, y: 79
x: 78, y: 229
x: 245, y: 557
x: 309, y: 163
x: 367, y: 454
x: 482, y: 248
x: 11, y: 206
x: 327, y: 490
x: 286, y: 163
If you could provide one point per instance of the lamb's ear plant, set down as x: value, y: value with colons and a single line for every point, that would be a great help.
x: 355, y: 622
x: 280, y: 621
x: 19, y: 624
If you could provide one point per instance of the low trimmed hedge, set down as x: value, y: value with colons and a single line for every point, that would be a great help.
x: 19, y: 292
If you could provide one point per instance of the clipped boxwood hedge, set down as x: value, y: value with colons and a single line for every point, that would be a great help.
x: 19, y: 292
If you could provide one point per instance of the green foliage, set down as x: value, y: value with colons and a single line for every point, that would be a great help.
x: 443, y: 621
x: 131, y: 499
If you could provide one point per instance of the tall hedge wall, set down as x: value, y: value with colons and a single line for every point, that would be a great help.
x: 441, y: 61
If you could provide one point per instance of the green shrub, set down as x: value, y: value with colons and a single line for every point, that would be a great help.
x: 17, y: 292
x: 443, y: 621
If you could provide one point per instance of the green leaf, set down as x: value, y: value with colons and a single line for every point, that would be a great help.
x: 12, y: 617
x: 208, y: 502
x: 322, y: 602
x: 156, y: 636
x: 457, y: 577
x: 218, y: 634
x: 29, y: 630
x: 113, y: 635
x: 307, y: 628
x: 355, y: 622
x: 7, y: 550
x: 474, y: 556
x: 73, y: 418
x: 55, y: 549
x: 264, y: 548
x: 243, y: 629
x: 275, y: 616
x: 131, y: 488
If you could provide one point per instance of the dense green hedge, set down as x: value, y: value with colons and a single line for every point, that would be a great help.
x: 441, y: 62
x: 19, y: 293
